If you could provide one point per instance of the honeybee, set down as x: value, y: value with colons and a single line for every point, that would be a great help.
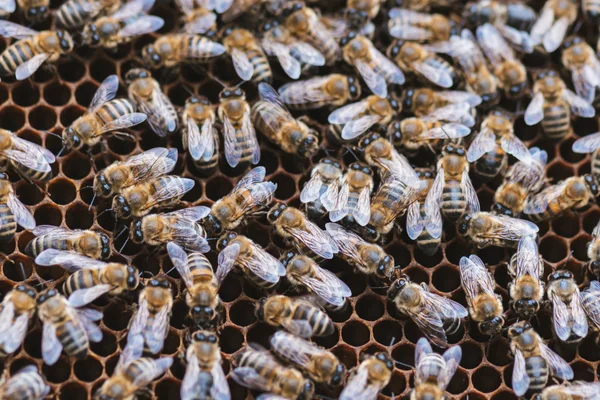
x: 28, y: 159
x: 368, y: 258
x: 318, y: 193
x: 522, y: 179
x: 7, y: 7
x: 486, y: 229
x: 369, y: 378
x: 31, y: 50
x: 370, y: 7
x: 330, y: 90
x: 261, y: 267
x: 320, y: 365
x: 352, y: 200
x: 579, y: 58
x: 171, y: 49
x: 349, y: 19
x: 593, y: 252
x: 435, y: 315
x: 412, y: 57
x: 380, y: 154
x: 181, y: 226
x: 239, y: 136
x: 86, y: 242
x: 291, y: 224
x: 204, y: 376
x: 249, y: 59
x: 570, y: 322
x: 295, y: 315
x: 591, y: 11
x: 433, y: 372
x: 534, y: 361
x: 198, y: 19
x: 237, y: 8
x: 66, y: 327
x: 417, y: 26
x: 105, y: 114
x: 272, y: 119
x: 199, y: 134
x: 12, y: 211
x: 424, y: 102
x: 590, y: 301
x: 151, y: 320
x: 73, y: 14
x: 485, y: 306
x: 256, y: 369
x: 526, y: 268
x: 590, y: 144
x: 302, y: 271
x: 423, y: 224
x: 25, y: 384
x: 17, y: 308
x: 553, y: 22
x: 570, y: 194
x: 552, y: 104
x: 571, y: 390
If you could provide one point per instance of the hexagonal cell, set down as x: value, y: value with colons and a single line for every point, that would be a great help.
x: 242, y: 313
x: 446, y: 278
x: 553, y: 248
x: 25, y: 95
x: 57, y: 94
x: 486, y: 379
x: 107, y: 346
x: 116, y: 317
x: 355, y: 333
x: 62, y: 191
x: 404, y: 355
x: 76, y: 166
x: 17, y: 268
x: 370, y: 307
x: 48, y: 214
x: 73, y: 391
x: 346, y: 355
x: 286, y: 186
x: 42, y: 118
x: 231, y: 339
x: 29, y: 193
x: 79, y: 216
x: 459, y: 382
x: 59, y: 372
x: 13, y: 118
x: 88, y: 370
x: 71, y: 70
x: 472, y: 355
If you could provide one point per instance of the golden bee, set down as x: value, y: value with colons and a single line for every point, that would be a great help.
x: 485, y: 306
x: 423, y: 224
x: 73, y: 14
x: 552, y: 105
x: 198, y: 19
x: 249, y: 59
x: 105, y: 114
x: 31, y: 49
x: 370, y: 7
x: 171, y: 49
x: 16, y: 310
x: 66, y: 327
x: 553, y: 22
x: 405, y: 24
x: 426, y: 65
x: 333, y: 90
x: 34, y: 11
x: 349, y: 19
x: 295, y: 315
x: 317, y: 193
x: 320, y: 365
x: 579, y: 58
x: 569, y: 319
x: 89, y: 243
x: 12, y: 211
x: 204, y: 376
x: 28, y: 159
x: 590, y: 301
x: 261, y: 267
x: 526, y: 289
x: 234, y: 9
x: 369, y: 378
x: 433, y: 372
x: 569, y: 390
x: 25, y: 384
x: 534, y: 361
x: 274, y: 121
x: 590, y: 144
x: 593, y: 252
x: 424, y: 102
x: 199, y: 134
x: 352, y: 200
x: 486, y: 229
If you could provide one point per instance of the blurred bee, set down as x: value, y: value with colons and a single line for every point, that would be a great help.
x: 380, y: 154
x: 368, y: 258
x: 534, y: 361
x: 171, y: 49
x: 553, y: 22
x: 239, y: 136
x: 486, y: 229
x: 348, y: 20
x: 25, y: 384
x: 204, y: 377
x: 352, y: 201
x: 569, y: 320
x: 7, y: 7
x: 485, y: 306
x: 590, y: 144
x: 34, y: 11
x: 181, y: 226
x: 31, y: 49
x: 579, y: 58
x: 198, y: 19
x: 255, y: 368
x: 28, y: 159
x: 151, y: 320
x: 433, y: 372
x: 522, y: 179
x: 422, y: 224
x: 526, y: 268
x: 423, y: 102
x: 428, y: 66
x: 274, y: 121
x: 12, y: 211
x: 73, y: 14
x: 89, y: 278
x: 490, y: 148
x: 66, y: 327
x: 370, y: 7
x: 333, y: 90
x: 591, y: 10
x: 303, y: 272
x: 199, y: 134
x: 405, y: 24
x: 570, y: 390
x: 374, y: 67
x: 16, y: 309
x: 435, y: 315
x: 590, y: 301
x: 593, y: 252
x: 369, y: 378
x: 293, y: 225
x: 552, y: 104
x: 105, y: 114
x: 320, y: 365
x: 570, y: 194
x: 318, y: 193
x: 249, y: 59
x: 86, y: 242
x: 234, y: 9
x: 261, y: 267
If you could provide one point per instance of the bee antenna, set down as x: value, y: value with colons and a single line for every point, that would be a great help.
x: 92, y: 202
x: 120, y: 233
x: 169, y: 271
x: 53, y: 134
x: 568, y: 258
x: 85, y: 187
x: 144, y: 272
x: 216, y: 79
x: 349, y: 150
x: 102, y: 212
x: 124, y: 244
x: 22, y: 270
x: 189, y: 90
x: 61, y: 151
x: 403, y: 364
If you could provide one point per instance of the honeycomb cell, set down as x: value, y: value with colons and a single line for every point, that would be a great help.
x: 57, y: 94
x: 231, y: 339
x: 33, y: 343
x: 567, y: 225
x: 71, y: 70
x: 88, y: 370
x: 116, y: 317
x: 17, y: 268
x: 472, y: 355
x: 579, y: 247
x: 73, y: 391
x: 497, y: 352
x: 583, y: 371
x: 62, y: 191
x: 48, y: 214
x: 121, y: 145
x: 446, y: 278
x: 59, y: 372
x: 242, y: 313
x: 218, y: 187
x: 230, y: 289
x: 76, y: 166
x: 459, y: 382
x: 29, y: 193
x: 386, y: 331
x: 101, y: 68
x: 286, y: 187
x: 505, y: 395
x: 25, y: 95
x: 486, y: 379
x: 346, y: 355
x: 396, y: 386
x: 107, y: 346
x: 404, y: 355
x: 326, y: 341
x: 172, y: 342
x: 42, y: 118
x: 13, y: 118
x: 370, y: 307
x: 79, y: 216
x: 553, y: 249
x: 341, y: 314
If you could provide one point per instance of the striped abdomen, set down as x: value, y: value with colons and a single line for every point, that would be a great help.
x: 317, y: 319
x: 73, y: 337
x: 75, y: 13
x: 334, y: 134
x: 17, y: 54
x: 199, y: 266
x: 263, y: 365
x: 491, y: 164
x: 140, y: 368
x: 209, y: 167
x: 194, y: 48
x: 114, y: 109
x: 262, y: 69
x: 160, y: 184
x: 30, y: 173
x: 439, y: 63
x: 245, y: 145
x: 82, y: 279
x: 28, y: 385
x: 427, y: 243
x: 557, y: 119
x: 537, y: 371
x: 41, y: 243
x: 596, y: 164
x: 325, y: 44
x: 8, y: 225
x: 453, y: 203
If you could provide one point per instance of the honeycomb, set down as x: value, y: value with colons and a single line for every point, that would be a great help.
x: 56, y: 96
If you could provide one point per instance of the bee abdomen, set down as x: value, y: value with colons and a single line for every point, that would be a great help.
x: 453, y: 201
x: 114, y: 109
x: 199, y: 265
x: 596, y: 163
x: 209, y: 167
x: 15, y: 55
x: 556, y: 122
x: 491, y: 164
x: 196, y: 48
x: 319, y: 321
x: 246, y: 147
x: 334, y: 134
x: 427, y: 243
x: 39, y: 244
x: 72, y: 14
x: 537, y: 371
x: 262, y: 69
x: 73, y: 338
x: 140, y: 368
x: 439, y: 63
x: 85, y: 278
x: 31, y: 173
x: 8, y: 225
x: 28, y: 386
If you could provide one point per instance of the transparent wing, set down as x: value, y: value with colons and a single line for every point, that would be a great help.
x: 292, y: 348
x: 133, y: 8
x: 151, y: 163
x: 8, y: 6
x: 32, y: 148
x: 373, y: 80
x: 421, y: 350
x: 432, y: 203
x: 51, y: 346
x: 155, y: 338
x: 561, y: 317
x: 263, y: 264
x: 469, y: 192
x: 414, y: 223
x: 93, y: 331
x: 138, y: 323
x: 179, y: 259
x: 242, y: 64
x: 393, y: 72
x: 453, y: 112
x: 584, y: 81
x: 580, y: 322
x: 107, y: 91
x: 312, y: 189
x: 578, y: 105
x: 201, y: 24
x: 446, y: 308
x: 21, y: 213
x: 123, y: 122
x: 190, y: 382
x: 248, y: 377
x: 12, y: 30
x: 521, y: 40
x: 483, y: 143
x: 308, y: 54
x: 493, y: 44
x: 29, y: 67
x: 358, y: 386
x: 249, y: 135
x: 154, y: 369
x: 300, y: 328
x: 220, y: 388
x: 457, y: 96
x: 306, y: 91
x: 192, y: 213
x: 535, y: 111
x: 15, y: 334
x: 558, y: 367
x: 82, y: 297
x: 555, y: 36
x: 315, y: 239
x: 329, y: 197
x: 339, y: 210
x: 539, y: 202
x: 290, y: 65
x: 520, y: 379
x: 142, y: 26
x: 452, y: 357
x: 347, y: 113
x: 227, y: 260
x: 450, y: 130
x: 172, y: 187
x: 587, y: 144
x: 475, y: 277
x: 132, y: 351
x: 327, y: 286
x: 514, y: 146
x: 438, y: 76
x: 527, y: 258
x: 233, y: 154
x: 69, y: 260
x: 358, y: 126
x: 28, y: 160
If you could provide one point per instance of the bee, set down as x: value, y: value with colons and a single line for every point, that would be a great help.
x: 174, y: 48
x: 274, y: 121
x: 571, y: 390
x: 86, y: 242
x: 320, y: 365
x: 526, y: 268
x: 423, y: 224
x: 239, y: 136
x: 26, y: 384
x: 236, y: 8
x: 249, y: 59
x: 7, y: 7
x: 198, y: 19
x: 151, y: 320
x: 295, y: 315
x: 405, y: 24
x: 590, y: 144
x: 369, y: 378
x: 349, y: 19
x: 368, y: 258
x: 204, y: 377
x: 487, y: 229
x: 105, y: 114
x: 370, y: 7
x: 318, y: 193
x: 552, y: 104
x: 553, y: 22
x: 199, y: 134
x: 593, y: 252
x: 302, y: 271
x: 485, y: 306
x: 534, y: 361
x: 66, y: 327
x: 73, y: 14
x: 181, y: 226
x: 522, y: 179
x: 28, y: 159
x: 34, y: 11
x: 579, y: 58
x: 591, y: 10
x: 262, y: 268
x: 333, y: 90
x: 423, y: 102
x: 570, y: 322
x: 291, y: 224
x: 490, y: 148
x: 428, y: 66
x: 433, y: 372
x: 16, y: 309
x: 570, y: 194
x: 590, y: 301
x: 31, y: 49
x: 256, y: 369
x: 12, y: 211
x: 352, y: 200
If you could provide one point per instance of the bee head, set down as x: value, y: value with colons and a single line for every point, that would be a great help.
x: 292, y: 8
x: 133, y: 277
x: 463, y: 223
x: 225, y: 240
x: 330, y: 161
x: 309, y: 145
x: 307, y: 391
x: 338, y: 375
x: 454, y: 149
x: 571, y: 41
x: 136, y: 73
x: 502, y: 210
x: 28, y: 290
x: 105, y: 243
x: 91, y: 36
x: 275, y: 212
x: 519, y: 328
x: 386, y: 265
x: 354, y: 88
x: 491, y: 327
x: 560, y: 274
x: 150, y: 57
x: 355, y: 18
x: 212, y: 225
x: 198, y: 100
x: 526, y: 308
x: 137, y: 234
x: 385, y: 358
x: 592, y: 184
x: 203, y: 315
x: 490, y: 98
x: 3, y: 176
x: 517, y: 89
x: 397, y: 287
x: 65, y: 41
x: 594, y: 268
x: 348, y: 38
x: 159, y: 283
x: 70, y: 139
x: 101, y: 185
x: 205, y: 336
x: 285, y: 260
x: 121, y: 207
x: 268, y: 25
x: 368, y: 139
x: 360, y: 167
x: 45, y: 295
x: 259, y: 311
x: 394, y: 132
x: 37, y: 14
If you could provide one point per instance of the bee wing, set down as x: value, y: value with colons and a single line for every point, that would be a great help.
x: 172, y: 188
x: 452, y: 357
x: 585, y: 81
x: 315, y: 239
x: 300, y: 328
x: 69, y: 260
x: 453, y: 112
x: 107, y: 91
x: 290, y: 65
x: 511, y: 229
x: 264, y: 265
x: 191, y: 213
x: 298, y: 351
x: 400, y: 167
x: 233, y: 153
x: 393, y: 72
x: 408, y: 32
x: 249, y: 135
x: 421, y: 350
x: 446, y: 308
x: 122, y: 122
x: 82, y: 297
x: 21, y: 213
x: 587, y: 144
x: 187, y: 6
x: 51, y: 346
x: 153, y: 369
x: 29, y: 67
x: 469, y: 191
x: 138, y: 322
x: 483, y: 143
x: 306, y: 91
x: 7, y: 315
x: 514, y: 146
x: 527, y: 258
x: 34, y: 161
x: 521, y: 40
x: 327, y: 286
x: 339, y: 210
x: 220, y: 388
x: 451, y: 130
x: 535, y: 112
x: 190, y: 383
x: 493, y: 44
x: 93, y: 331
x: 201, y: 24
x: 32, y: 148
x: 308, y: 54
x: 151, y: 163
x: 8, y: 6
x: 330, y: 195
x: 580, y: 322
x: 269, y: 95
x: 558, y: 367
x: 312, y: 189
x: 346, y: 241
x: 520, y: 379
x: 358, y: 386
x: 583, y: 390
x: 155, y: 338
x: 132, y: 351
x: 554, y: 37
x: 358, y: 126
x: 414, y: 222
x: 179, y: 259
x: 432, y: 204
x: 348, y: 113
x: 458, y: 96
x: 434, y: 222
x: 185, y: 233
x: 376, y: 82
x: 249, y: 378
x: 195, y: 141
x: 578, y: 105
x: 15, y: 334
x: 12, y: 30
x: 254, y: 176
x: 133, y: 8
x: 241, y: 63
x: 162, y: 110
x: 141, y: 26
x: 475, y: 277
x: 438, y: 76
x: 227, y: 260
x: 209, y: 141
x: 539, y: 203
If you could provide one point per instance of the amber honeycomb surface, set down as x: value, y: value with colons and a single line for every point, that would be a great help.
x: 56, y: 96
